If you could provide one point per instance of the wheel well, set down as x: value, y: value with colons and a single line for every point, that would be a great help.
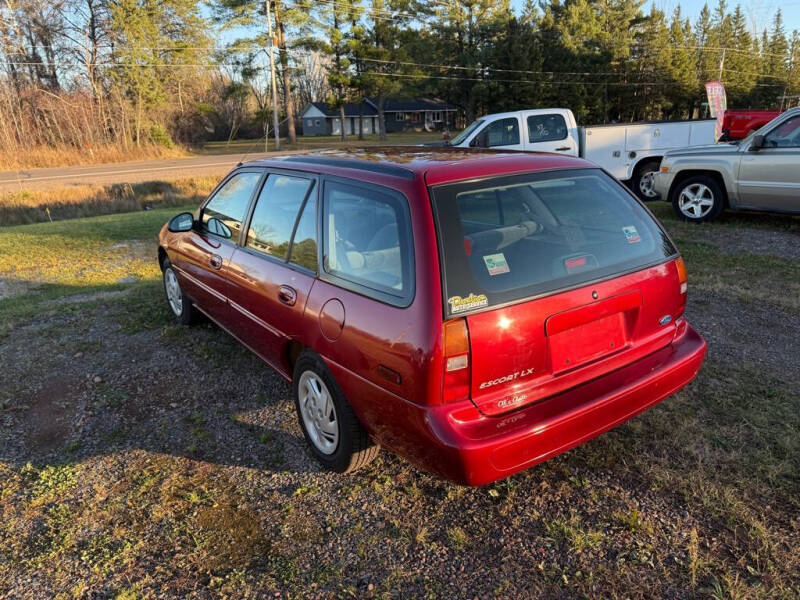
x: 644, y: 161
x: 684, y: 175
x: 162, y: 254
x: 293, y: 351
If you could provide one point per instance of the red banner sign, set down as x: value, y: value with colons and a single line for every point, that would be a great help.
x: 717, y: 103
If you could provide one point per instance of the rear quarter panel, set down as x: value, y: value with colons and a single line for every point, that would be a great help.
x: 377, y: 336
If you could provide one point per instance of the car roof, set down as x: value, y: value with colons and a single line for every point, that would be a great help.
x: 432, y: 165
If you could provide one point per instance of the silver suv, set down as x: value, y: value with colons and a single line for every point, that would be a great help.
x: 761, y: 172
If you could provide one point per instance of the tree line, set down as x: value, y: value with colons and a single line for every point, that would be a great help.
x: 132, y: 73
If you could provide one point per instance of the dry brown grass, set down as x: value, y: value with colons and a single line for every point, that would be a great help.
x: 49, y: 156
x: 18, y: 208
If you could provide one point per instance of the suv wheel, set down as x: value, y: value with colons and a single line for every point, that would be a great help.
x: 333, y: 432
x: 180, y: 306
x: 642, y: 180
x: 698, y: 199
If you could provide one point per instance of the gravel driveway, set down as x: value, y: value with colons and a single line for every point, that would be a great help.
x: 139, y: 459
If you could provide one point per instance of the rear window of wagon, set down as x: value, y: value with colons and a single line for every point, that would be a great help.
x: 508, y: 238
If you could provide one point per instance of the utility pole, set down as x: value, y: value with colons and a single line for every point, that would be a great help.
x: 274, y: 83
x: 721, y: 64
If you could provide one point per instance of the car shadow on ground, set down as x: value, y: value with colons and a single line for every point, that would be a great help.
x: 93, y: 374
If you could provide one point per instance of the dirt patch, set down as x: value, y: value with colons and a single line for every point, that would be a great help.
x: 88, y: 297
x: 737, y: 240
x: 50, y: 418
x: 160, y: 461
x: 10, y: 288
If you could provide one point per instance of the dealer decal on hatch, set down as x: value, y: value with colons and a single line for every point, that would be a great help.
x: 496, y: 263
x: 459, y: 304
x: 632, y: 235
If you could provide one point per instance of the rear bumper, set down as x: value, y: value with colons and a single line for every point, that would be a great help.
x: 473, y: 449
x: 662, y: 183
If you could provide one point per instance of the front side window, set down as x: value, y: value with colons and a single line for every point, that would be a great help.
x: 223, y: 214
x: 461, y: 137
x: 785, y: 135
x: 510, y: 238
x: 276, y: 213
x: 546, y: 128
x: 367, y: 239
x: 503, y: 132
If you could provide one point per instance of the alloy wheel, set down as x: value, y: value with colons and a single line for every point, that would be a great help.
x: 696, y: 200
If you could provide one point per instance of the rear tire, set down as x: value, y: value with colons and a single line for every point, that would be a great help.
x: 698, y: 199
x: 179, y: 304
x: 332, y: 431
x: 642, y: 180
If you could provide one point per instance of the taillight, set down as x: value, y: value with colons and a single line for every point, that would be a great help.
x: 456, y: 361
x: 683, y: 282
x: 682, y: 278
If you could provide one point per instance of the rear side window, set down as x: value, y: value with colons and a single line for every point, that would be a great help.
x: 542, y: 232
x: 546, y: 128
x: 229, y: 204
x: 276, y: 213
x: 367, y: 241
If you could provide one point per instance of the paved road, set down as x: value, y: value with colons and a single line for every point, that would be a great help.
x: 126, y: 172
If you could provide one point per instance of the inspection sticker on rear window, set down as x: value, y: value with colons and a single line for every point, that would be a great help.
x: 496, y: 263
x: 632, y: 235
x: 459, y: 304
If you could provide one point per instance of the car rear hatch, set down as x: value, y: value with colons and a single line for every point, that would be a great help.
x: 560, y: 277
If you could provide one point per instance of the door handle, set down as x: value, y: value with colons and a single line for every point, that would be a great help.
x: 563, y: 149
x: 215, y: 261
x: 287, y: 295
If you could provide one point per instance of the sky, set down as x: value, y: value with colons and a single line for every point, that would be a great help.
x: 759, y: 12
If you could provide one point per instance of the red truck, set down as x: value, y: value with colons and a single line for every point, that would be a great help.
x: 736, y: 124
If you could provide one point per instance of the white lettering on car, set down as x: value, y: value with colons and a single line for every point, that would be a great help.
x: 506, y: 378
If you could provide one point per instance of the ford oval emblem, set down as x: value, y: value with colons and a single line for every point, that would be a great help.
x: 665, y: 320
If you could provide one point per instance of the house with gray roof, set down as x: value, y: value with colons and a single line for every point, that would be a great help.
x: 400, y: 115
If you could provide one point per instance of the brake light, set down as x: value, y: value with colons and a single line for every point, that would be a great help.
x: 682, y: 278
x: 456, y: 361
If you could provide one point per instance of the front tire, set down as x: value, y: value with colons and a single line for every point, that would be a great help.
x: 334, y: 434
x: 179, y: 304
x: 698, y: 199
x: 642, y: 180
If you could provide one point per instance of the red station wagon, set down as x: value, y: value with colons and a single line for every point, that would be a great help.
x: 474, y: 312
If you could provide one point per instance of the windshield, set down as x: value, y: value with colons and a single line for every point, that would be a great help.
x: 459, y: 139
x: 508, y: 238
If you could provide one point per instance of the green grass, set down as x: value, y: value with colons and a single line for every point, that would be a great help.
x: 697, y: 497
x: 729, y: 219
x: 76, y: 261
x: 27, y: 206
x: 314, y: 142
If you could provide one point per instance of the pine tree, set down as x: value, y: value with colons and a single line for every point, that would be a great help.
x: 682, y: 68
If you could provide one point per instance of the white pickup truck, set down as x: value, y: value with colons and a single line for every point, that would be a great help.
x: 631, y: 152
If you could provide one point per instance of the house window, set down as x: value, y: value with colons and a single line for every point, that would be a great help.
x: 416, y: 117
x: 399, y: 116
x: 316, y: 122
x: 309, y: 122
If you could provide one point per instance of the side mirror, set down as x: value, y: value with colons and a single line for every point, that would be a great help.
x: 181, y: 222
x: 757, y: 143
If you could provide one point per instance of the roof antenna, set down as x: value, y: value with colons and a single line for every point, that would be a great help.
x: 250, y: 148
